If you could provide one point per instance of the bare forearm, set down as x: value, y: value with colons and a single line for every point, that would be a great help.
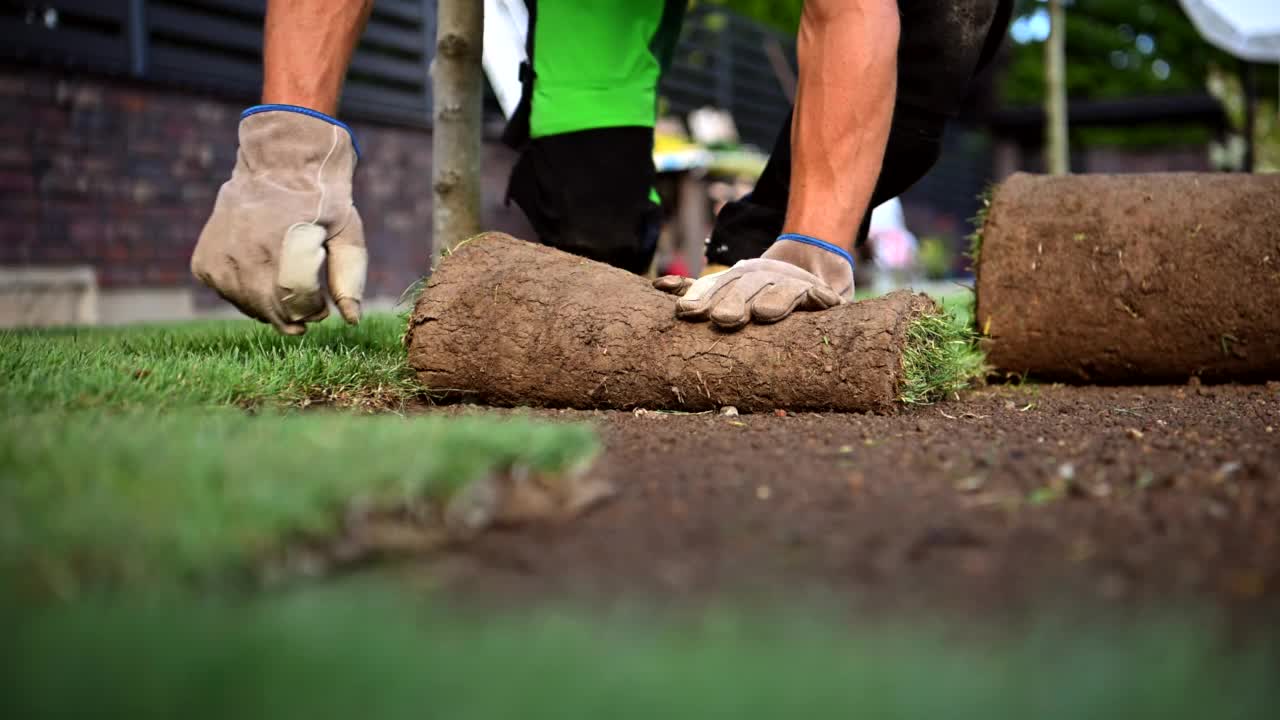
x: 844, y: 105
x: 307, y: 47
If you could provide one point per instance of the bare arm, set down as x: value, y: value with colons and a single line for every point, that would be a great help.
x: 307, y: 47
x: 287, y: 211
x: 848, y: 54
x: 844, y: 104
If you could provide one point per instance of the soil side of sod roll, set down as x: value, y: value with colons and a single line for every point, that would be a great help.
x: 1132, y: 278
x: 507, y: 322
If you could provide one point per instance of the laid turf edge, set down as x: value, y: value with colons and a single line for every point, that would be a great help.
x: 979, y: 221
x: 941, y: 357
x: 95, y: 500
x: 974, y: 253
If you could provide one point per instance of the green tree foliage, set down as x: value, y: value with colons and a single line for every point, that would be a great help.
x: 1116, y: 49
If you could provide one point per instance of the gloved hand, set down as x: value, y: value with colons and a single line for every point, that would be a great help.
x: 797, y: 272
x: 285, y: 209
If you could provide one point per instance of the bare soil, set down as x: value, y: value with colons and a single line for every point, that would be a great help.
x: 1010, y: 497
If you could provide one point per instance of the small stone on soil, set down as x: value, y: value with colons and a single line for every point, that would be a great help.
x: 729, y: 411
x: 1226, y: 471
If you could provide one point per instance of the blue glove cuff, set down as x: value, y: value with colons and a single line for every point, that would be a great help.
x: 308, y: 112
x: 807, y: 240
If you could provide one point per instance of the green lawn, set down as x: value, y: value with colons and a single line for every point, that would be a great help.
x: 214, y: 363
x: 144, y: 457
x: 145, y: 474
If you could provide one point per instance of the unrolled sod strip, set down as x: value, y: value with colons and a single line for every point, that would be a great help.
x: 507, y: 322
x: 1132, y: 278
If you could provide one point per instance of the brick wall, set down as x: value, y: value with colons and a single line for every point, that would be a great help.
x: 120, y: 176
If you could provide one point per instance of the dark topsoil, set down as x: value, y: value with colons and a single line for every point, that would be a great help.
x: 1011, y: 497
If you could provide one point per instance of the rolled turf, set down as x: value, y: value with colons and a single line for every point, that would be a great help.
x: 1132, y: 278
x: 507, y: 322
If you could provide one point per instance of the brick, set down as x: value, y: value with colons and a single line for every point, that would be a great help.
x: 12, y: 85
x: 115, y: 276
x: 199, y: 194
x: 131, y: 102
x: 85, y: 231
x: 116, y: 252
x: 125, y: 176
x: 165, y: 276
x: 15, y: 157
x: 17, y: 183
x: 15, y: 236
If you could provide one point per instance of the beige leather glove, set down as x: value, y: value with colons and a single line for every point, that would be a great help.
x: 286, y: 209
x: 795, y: 273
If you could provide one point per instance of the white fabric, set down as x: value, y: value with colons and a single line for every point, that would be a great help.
x: 893, y: 245
x: 1248, y: 29
x: 888, y: 216
x: 506, y: 25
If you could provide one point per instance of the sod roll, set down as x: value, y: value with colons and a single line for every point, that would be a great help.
x: 507, y: 322
x: 1132, y: 278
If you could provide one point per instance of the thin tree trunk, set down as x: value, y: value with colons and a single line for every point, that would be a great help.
x: 1057, y: 153
x: 457, y: 92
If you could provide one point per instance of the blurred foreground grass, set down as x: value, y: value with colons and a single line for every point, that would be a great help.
x: 361, y: 653
x: 97, y: 499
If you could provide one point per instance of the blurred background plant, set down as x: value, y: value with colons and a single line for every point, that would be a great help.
x: 937, y: 258
x: 1229, y: 153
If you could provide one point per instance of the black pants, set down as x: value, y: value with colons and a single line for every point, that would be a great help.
x: 587, y: 192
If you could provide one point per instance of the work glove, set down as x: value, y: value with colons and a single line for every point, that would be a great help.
x: 797, y: 272
x: 286, y: 209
